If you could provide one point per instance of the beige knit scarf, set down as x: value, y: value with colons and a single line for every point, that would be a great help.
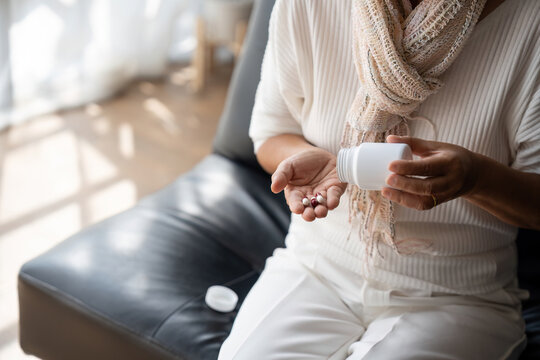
x: 399, y: 54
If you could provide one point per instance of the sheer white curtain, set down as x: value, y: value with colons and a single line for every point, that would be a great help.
x: 62, y: 53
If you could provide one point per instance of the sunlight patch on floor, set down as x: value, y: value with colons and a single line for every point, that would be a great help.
x: 61, y: 173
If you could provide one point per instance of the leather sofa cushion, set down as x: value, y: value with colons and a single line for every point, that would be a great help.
x: 147, y: 269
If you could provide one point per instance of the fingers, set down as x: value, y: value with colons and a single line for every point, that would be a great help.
x: 320, y: 211
x: 418, y: 146
x: 309, y: 213
x: 294, y: 199
x: 417, y: 186
x: 419, y: 194
x: 432, y: 166
x: 418, y: 202
x: 333, y: 195
x: 448, y: 170
x: 281, y: 176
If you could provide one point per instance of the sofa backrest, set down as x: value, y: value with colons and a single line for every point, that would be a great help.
x: 232, y: 139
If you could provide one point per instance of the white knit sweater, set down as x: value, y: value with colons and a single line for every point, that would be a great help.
x: 490, y: 104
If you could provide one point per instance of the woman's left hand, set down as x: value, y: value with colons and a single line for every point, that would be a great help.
x: 448, y: 171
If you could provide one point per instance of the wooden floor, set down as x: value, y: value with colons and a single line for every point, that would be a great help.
x: 60, y: 173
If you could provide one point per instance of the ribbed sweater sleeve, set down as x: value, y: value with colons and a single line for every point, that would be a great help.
x: 528, y: 136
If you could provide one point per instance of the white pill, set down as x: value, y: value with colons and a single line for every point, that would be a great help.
x: 305, y: 201
x: 320, y: 199
x: 221, y: 298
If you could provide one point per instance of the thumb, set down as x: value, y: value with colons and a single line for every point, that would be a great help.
x: 281, y: 176
x: 418, y: 146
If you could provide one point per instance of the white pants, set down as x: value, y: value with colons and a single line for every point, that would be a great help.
x: 294, y: 313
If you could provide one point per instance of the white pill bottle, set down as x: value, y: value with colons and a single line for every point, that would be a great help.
x: 367, y: 165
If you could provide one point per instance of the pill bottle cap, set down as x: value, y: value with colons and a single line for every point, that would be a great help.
x: 221, y: 298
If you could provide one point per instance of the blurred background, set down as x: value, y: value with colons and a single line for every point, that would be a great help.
x: 101, y: 103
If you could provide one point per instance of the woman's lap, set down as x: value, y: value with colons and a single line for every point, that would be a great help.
x: 291, y: 313
x: 450, y: 332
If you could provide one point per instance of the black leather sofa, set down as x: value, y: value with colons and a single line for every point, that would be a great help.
x: 133, y: 286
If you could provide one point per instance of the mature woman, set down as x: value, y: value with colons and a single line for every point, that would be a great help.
x: 426, y: 268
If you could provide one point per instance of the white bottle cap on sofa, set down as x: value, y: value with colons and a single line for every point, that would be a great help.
x: 221, y: 298
x: 367, y: 165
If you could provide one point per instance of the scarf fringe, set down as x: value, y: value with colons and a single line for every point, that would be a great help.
x: 399, y: 60
x: 399, y: 54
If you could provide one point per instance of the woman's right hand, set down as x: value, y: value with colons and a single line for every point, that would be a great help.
x: 305, y: 174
